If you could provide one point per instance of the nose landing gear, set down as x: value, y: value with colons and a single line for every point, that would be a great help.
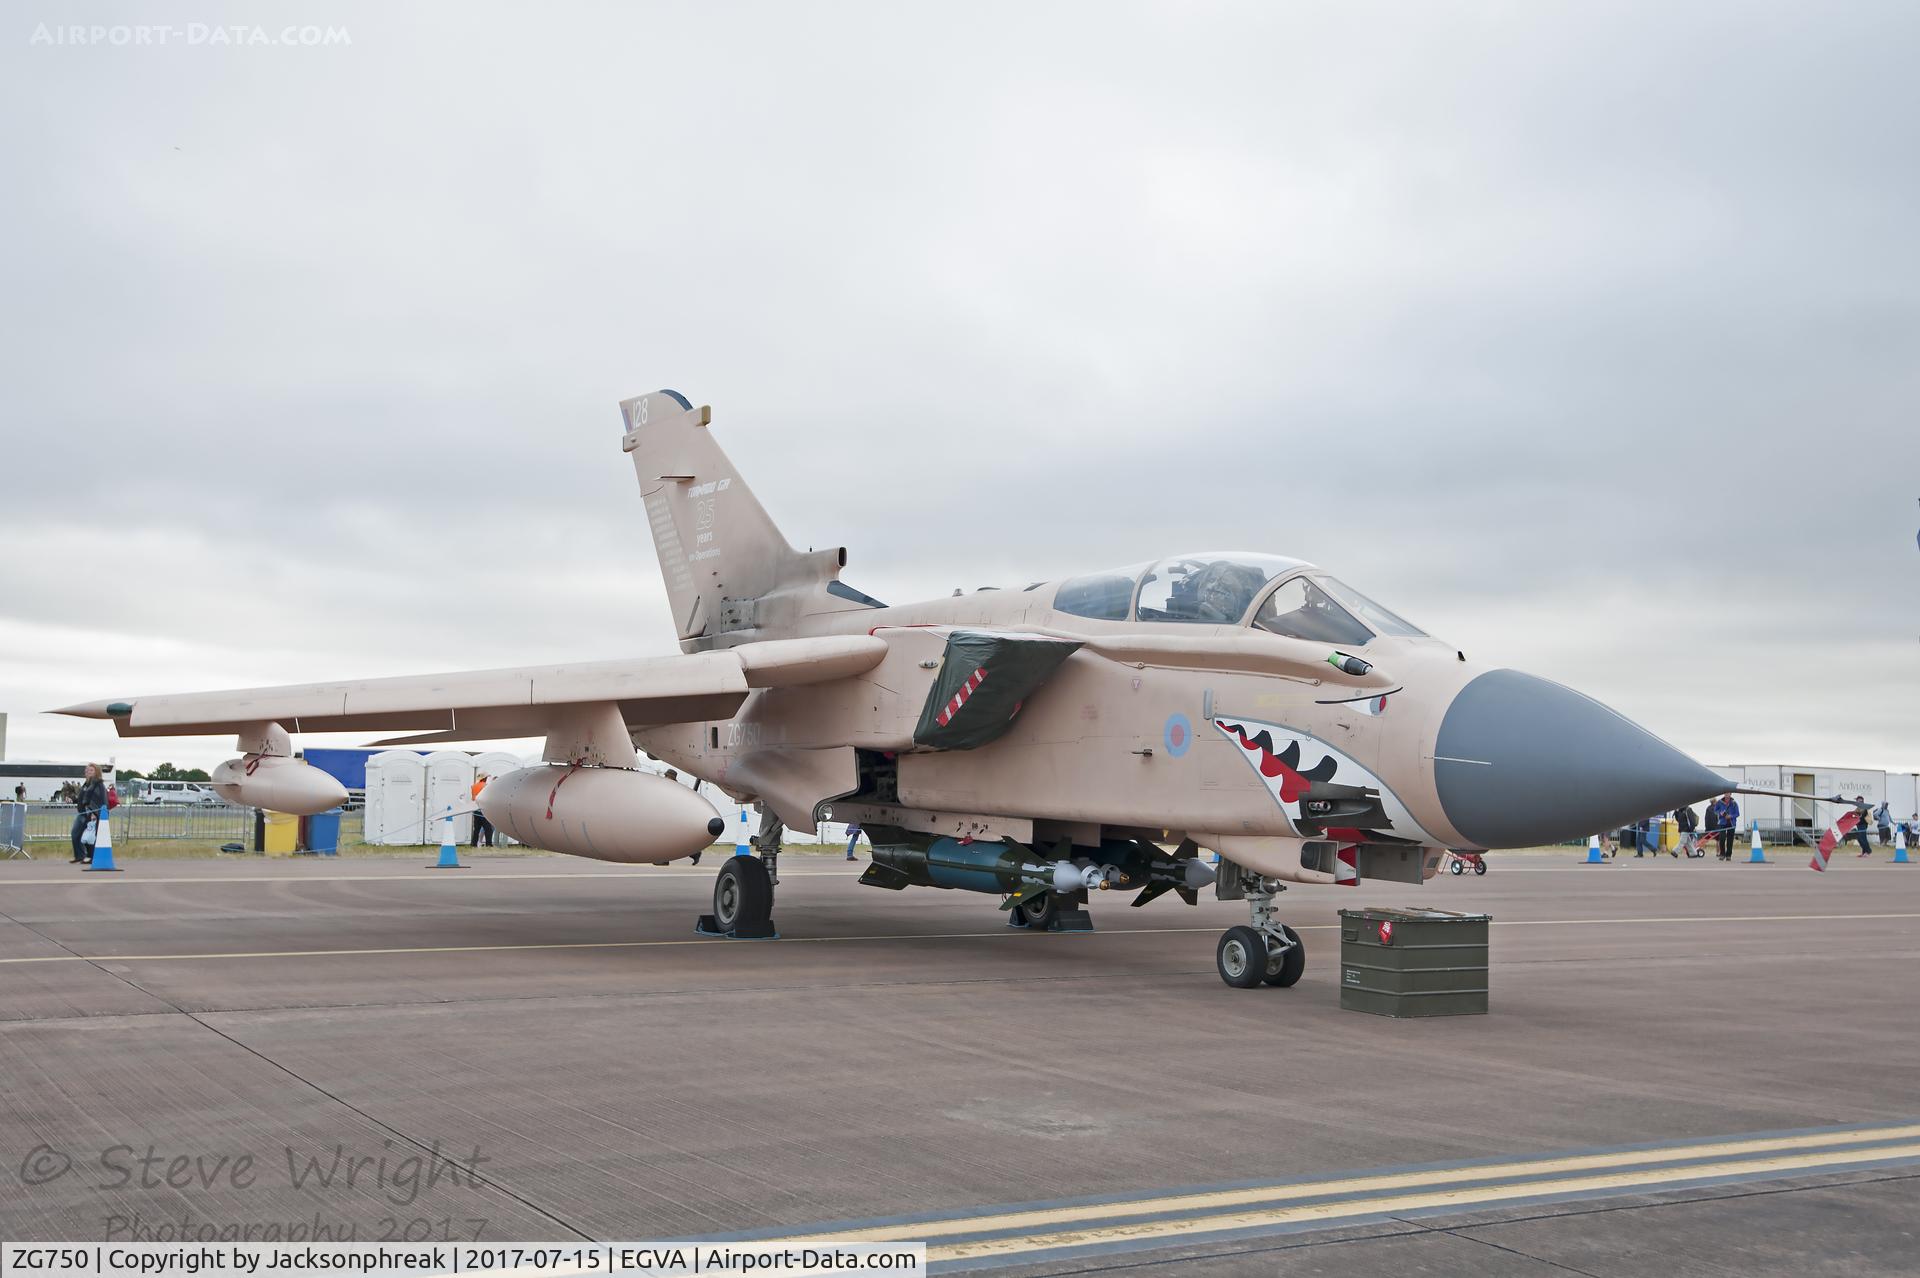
x: 742, y: 901
x: 1266, y: 953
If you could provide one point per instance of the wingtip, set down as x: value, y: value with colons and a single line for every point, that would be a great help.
x: 96, y: 710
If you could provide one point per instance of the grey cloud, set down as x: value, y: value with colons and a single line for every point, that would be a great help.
x: 1539, y: 324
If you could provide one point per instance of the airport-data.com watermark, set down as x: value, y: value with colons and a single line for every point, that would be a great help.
x: 187, y: 35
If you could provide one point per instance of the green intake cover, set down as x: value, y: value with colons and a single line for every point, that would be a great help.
x: 984, y: 679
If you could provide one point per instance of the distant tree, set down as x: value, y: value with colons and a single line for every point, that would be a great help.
x: 128, y: 774
x: 166, y: 772
x: 195, y: 774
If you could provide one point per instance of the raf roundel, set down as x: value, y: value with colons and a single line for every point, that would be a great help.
x: 1178, y: 735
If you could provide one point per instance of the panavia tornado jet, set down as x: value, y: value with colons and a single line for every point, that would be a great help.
x: 1044, y: 745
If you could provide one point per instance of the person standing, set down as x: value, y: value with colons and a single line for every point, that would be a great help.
x: 1883, y: 821
x: 1859, y: 834
x: 1729, y: 824
x: 88, y: 805
x: 853, y: 837
x: 482, y: 828
x: 20, y: 792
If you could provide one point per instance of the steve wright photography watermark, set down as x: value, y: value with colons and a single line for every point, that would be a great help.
x: 323, y: 1180
x: 398, y: 1173
x: 186, y: 35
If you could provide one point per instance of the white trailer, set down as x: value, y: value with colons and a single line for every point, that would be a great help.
x: 1814, y: 781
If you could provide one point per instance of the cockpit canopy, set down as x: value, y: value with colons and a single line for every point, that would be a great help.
x: 1220, y: 588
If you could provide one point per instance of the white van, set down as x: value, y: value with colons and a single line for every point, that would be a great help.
x: 194, y: 792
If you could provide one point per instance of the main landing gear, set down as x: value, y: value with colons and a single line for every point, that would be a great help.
x: 742, y: 901
x: 1266, y: 953
x: 1049, y: 912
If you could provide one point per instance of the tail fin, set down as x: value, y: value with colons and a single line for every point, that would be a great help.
x: 731, y: 577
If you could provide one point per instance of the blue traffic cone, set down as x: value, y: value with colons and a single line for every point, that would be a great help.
x: 741, y: 845
x: 449, y: 853
x: 1900, y: 841
x: 103, y: 847
x: 1593, y: 851
x: 1759, y: 854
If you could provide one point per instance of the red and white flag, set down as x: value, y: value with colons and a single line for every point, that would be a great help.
x: 1831, y: 839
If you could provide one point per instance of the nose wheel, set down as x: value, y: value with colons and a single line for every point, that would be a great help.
x: 1241, y: 957
x: 1267, y: 952
x: 742, y: 902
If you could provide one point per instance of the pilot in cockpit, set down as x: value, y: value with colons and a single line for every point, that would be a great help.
x: 1223, y: 589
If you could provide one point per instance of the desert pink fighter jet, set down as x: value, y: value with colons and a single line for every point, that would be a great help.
x: 1044, y: 745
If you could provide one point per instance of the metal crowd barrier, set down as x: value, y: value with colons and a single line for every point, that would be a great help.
x: 53, y: 822
x: 13, y: 831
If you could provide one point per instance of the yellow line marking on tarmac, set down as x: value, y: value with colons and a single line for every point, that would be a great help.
x: 1273, y: 1196
x: 883, y: 936
x: 1418, y: 1201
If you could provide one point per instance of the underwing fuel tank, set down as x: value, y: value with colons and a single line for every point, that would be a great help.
x: 609, y: 814
x: 277, y: 783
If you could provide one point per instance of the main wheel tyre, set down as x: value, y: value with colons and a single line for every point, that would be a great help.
x: 1479, y: 867
x: 1285, y: 966
x: 1241, y: 957
x: 1039, y: 912
x: 742, y: 893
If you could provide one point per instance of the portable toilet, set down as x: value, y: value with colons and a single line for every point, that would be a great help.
x: 450, y: 785
x: 397, y: 799
x: 497, y: 763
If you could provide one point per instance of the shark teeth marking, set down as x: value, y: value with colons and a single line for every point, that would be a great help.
x: 1280, y: 767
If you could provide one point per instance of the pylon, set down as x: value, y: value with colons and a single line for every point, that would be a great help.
x: 1900, y: 840
x: 1759, y: 854
x: 1593, y: 851
x: 103, y: 847
x: 741, y: 845
x: 449, y: 851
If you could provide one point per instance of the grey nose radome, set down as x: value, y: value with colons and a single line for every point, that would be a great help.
x: 1521, y: 761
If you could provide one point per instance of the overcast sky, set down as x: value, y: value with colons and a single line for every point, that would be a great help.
x: 1587, y: 337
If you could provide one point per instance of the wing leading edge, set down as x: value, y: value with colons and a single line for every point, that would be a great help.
x: 489, y: 704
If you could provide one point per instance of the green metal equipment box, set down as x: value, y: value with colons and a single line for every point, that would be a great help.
x: 1396, y: 962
